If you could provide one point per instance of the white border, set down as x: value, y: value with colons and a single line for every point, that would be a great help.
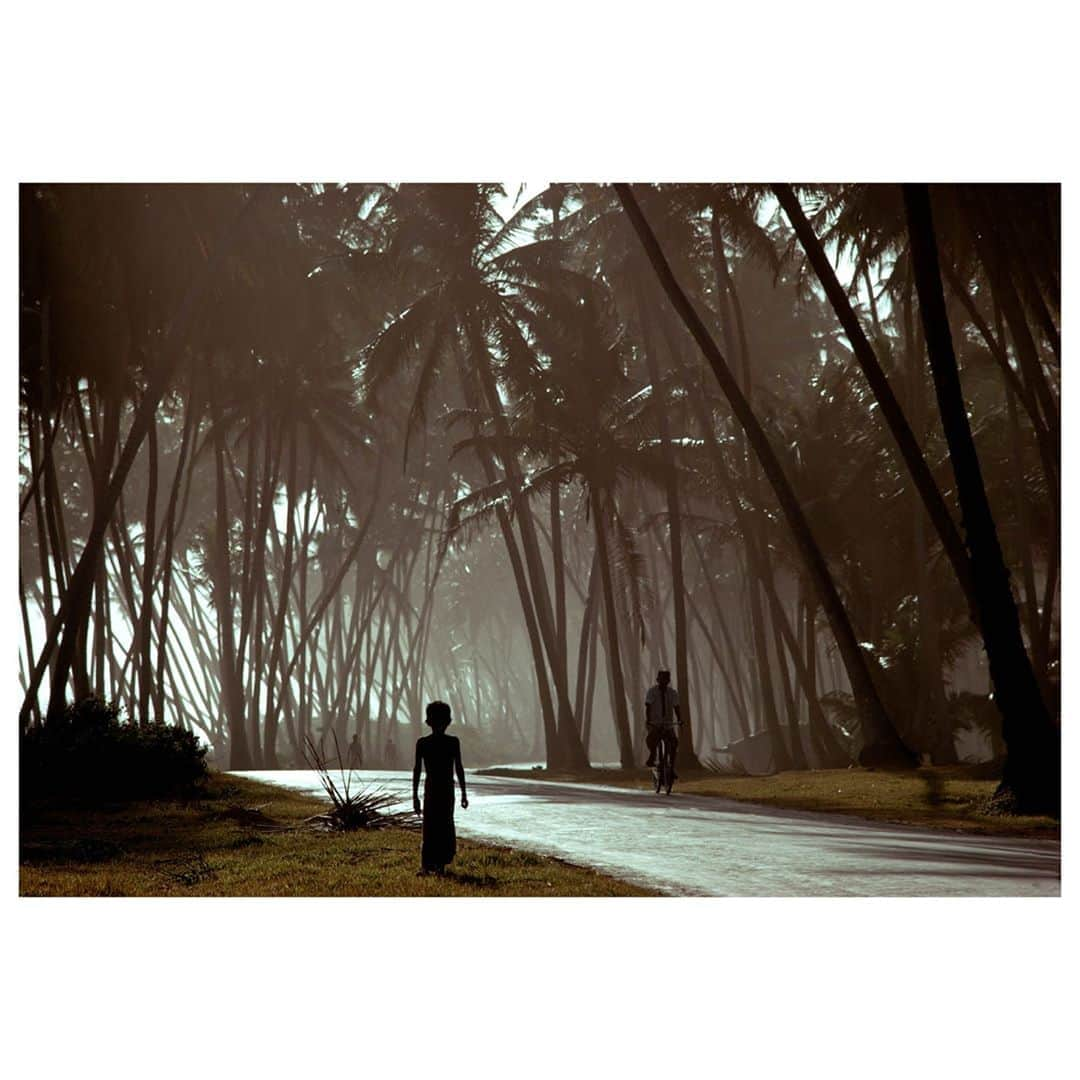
x: 678, y: 91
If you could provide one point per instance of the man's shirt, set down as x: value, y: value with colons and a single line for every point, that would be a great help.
x: 660, y: 705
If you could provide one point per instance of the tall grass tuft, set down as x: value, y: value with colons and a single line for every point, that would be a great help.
x: 352, y: 807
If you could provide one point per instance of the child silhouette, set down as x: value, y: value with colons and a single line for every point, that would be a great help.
x: 441, y: 757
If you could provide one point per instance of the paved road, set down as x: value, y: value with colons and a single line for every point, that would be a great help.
x: 701, y: 846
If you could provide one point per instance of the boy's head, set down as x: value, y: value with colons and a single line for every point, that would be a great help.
x: 438, y: 716
x: 663, y: 677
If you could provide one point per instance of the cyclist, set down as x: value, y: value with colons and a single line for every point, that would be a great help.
x: 661, y: 716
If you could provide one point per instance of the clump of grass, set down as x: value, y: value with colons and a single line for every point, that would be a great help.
x: 364, y: 807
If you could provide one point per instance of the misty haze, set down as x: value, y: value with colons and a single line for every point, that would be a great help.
x: 724, y: 519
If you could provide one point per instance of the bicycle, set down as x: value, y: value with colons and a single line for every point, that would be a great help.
x: 664, y: 769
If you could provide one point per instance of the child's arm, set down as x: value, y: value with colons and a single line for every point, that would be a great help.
x: 460, y: 769
x: 416, y: 780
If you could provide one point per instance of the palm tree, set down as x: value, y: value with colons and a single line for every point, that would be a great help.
x: 1032, y: 777
x: 164, y: 353
x: 475, y: 287
x: 884, y: 744
x: 584, y: 426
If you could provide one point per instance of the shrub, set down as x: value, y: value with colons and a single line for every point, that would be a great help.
x: 88, y: 754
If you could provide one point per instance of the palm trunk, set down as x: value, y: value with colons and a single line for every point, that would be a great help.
x: 558, y: 569
x: 232, y: 691
x: 1032, y: 777
x: 48, y: 603
x: 146, y: 609
x: 277, y: 631
x: 588, y: 614
x: 931, y: 715
x: 167, y: 559
x: 590, y: 683
x: 611, y: 629
x: 35, y: 712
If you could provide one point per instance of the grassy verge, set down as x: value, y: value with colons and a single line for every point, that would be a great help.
x: 938, y: 797
x: 216, y: 846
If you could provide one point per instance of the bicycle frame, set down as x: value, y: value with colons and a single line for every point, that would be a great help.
x: 664, y: 770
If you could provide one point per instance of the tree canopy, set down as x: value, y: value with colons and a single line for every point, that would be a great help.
x: 295, y: 459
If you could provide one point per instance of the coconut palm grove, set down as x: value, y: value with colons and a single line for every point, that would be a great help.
x: 297, y: 459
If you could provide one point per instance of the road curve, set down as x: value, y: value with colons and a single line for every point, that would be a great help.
x: 703, y: 846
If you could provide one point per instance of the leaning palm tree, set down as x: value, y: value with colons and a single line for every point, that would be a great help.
x: 884, y: 745
x: 1032, y: 779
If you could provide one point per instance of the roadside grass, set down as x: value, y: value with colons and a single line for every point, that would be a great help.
x: 938, y: 797
x: 246, y: 838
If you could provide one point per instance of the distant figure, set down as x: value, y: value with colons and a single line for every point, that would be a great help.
x: 441, y: 757
x: 356, y: 753
x: 661, y: 715
x: 390, y: 753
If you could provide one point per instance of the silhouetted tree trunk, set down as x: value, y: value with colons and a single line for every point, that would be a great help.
x: 48, y: 605
x: 932, y: 718
x: 584, y: 642
x: 611, y: 630
x: 146, y: 607
x: 590, y: 682
x: 1032, y: 778
x: 232, y: 690
x: 167, y: 560
x: 1031, y: 596
x: 28, y: 641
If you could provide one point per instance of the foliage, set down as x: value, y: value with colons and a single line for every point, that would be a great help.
x: 90, y: 755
